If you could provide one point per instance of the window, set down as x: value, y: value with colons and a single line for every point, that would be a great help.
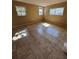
x: 52, y: 12
x: 21, y: 11
x: 41, y: 11
x: 56, y: 11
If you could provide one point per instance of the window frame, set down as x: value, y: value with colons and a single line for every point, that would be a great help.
x: 55, y: 13
x: 42, y: 8
x: 21, y: 11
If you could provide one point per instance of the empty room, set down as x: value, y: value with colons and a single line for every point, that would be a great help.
x: 39, y: 29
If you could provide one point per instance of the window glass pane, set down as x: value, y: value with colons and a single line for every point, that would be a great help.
x: 21, y: 11
x: 59, y: 11
x: 56, y: 11
x: 52, y: 11
x: 40, y: 10
x: 17, y: 8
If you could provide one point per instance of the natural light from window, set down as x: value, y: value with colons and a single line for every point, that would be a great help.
x: 41, y: 11
x: 53, y: 32
x: 56, y: 11
x: 21, y: 11
x: 19, y: 35
x: 45, y: 24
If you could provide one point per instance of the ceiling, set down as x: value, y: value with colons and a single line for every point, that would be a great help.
x: 42, y: 2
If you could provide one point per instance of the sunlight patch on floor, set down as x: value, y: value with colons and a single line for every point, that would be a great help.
x: 53, y: 32
x: 19, y: 35
x: 46, y: 29
x: 45, y: 24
